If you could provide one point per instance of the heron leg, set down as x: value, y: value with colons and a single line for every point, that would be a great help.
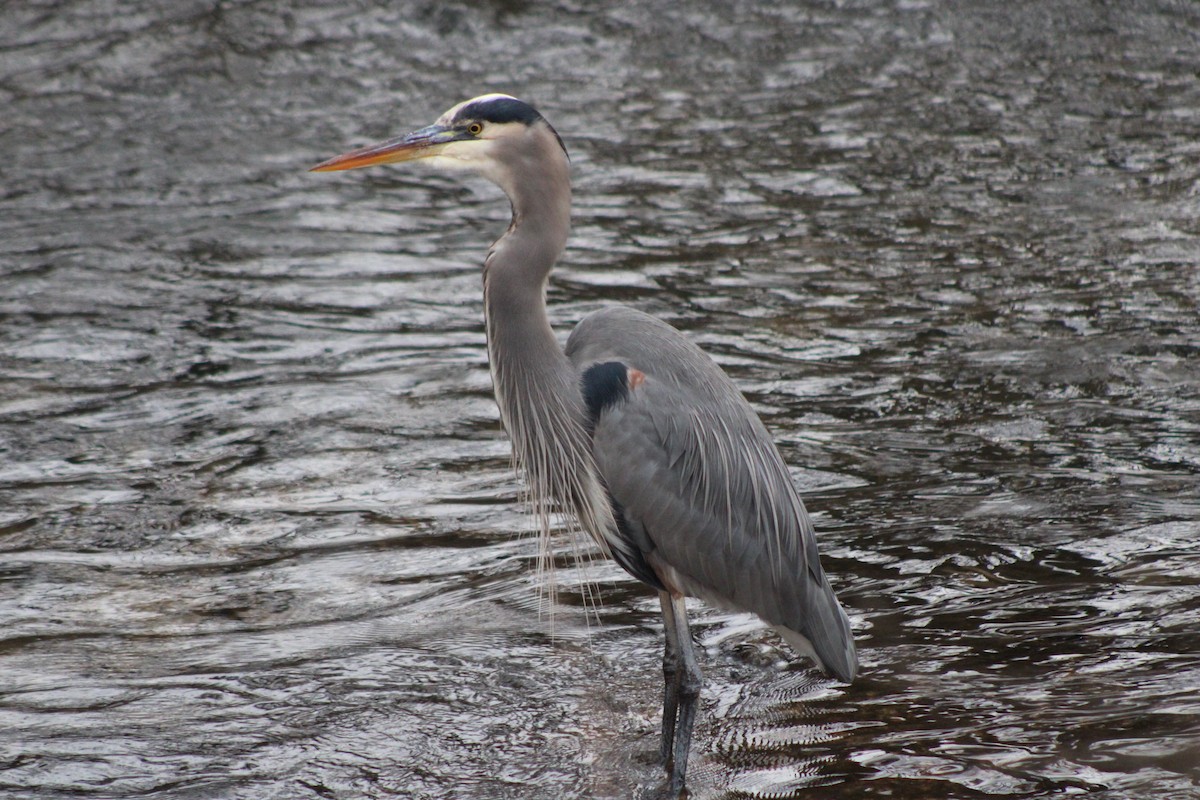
x: 670, y: 679
x: 681, y: 671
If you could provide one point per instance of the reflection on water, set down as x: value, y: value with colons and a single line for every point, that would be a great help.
x: 260, y: 537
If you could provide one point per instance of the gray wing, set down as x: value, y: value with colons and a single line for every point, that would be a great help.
x: 703, y: 493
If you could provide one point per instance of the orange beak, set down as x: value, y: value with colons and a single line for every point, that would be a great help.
x: 418, y: 144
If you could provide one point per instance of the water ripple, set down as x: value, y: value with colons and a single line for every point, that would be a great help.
x: 260, y: 535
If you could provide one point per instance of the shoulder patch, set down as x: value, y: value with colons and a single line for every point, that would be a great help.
x: 604, y: 385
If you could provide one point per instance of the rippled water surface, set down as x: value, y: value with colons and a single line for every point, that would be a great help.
x: 259, y: 534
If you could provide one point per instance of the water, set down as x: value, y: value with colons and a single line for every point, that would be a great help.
x: 260, y: 537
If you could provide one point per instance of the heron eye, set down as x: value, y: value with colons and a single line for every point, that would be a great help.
x: 474, y: 129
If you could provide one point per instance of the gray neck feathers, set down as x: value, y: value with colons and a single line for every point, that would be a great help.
x: 535, y: 384
x: 527, y: 363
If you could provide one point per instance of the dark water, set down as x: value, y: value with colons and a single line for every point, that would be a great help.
x: 259, y: 534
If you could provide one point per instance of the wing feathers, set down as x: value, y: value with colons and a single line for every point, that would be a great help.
x: 699, y: 478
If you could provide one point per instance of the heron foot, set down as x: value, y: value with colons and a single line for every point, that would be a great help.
x: 667, y: 792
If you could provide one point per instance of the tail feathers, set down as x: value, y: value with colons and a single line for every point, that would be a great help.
x: 826, y: 637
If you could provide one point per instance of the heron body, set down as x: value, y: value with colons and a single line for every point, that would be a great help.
x: 632, y: 428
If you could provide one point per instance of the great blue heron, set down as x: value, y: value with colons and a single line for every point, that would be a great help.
x: 632, y: 428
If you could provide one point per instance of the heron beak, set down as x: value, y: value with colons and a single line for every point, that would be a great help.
x: 418, y: 144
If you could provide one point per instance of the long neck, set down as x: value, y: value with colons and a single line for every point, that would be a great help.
x: 526, y: 362
x: 535, y: 384
x: 531, y: 376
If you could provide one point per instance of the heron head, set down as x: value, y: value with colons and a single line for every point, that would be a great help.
x: 490, y: 134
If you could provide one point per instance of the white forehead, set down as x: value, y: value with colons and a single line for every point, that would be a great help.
x: 449, y: 115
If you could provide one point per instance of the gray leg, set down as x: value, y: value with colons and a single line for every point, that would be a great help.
x: 683, y: 682
x: 670, y: 680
